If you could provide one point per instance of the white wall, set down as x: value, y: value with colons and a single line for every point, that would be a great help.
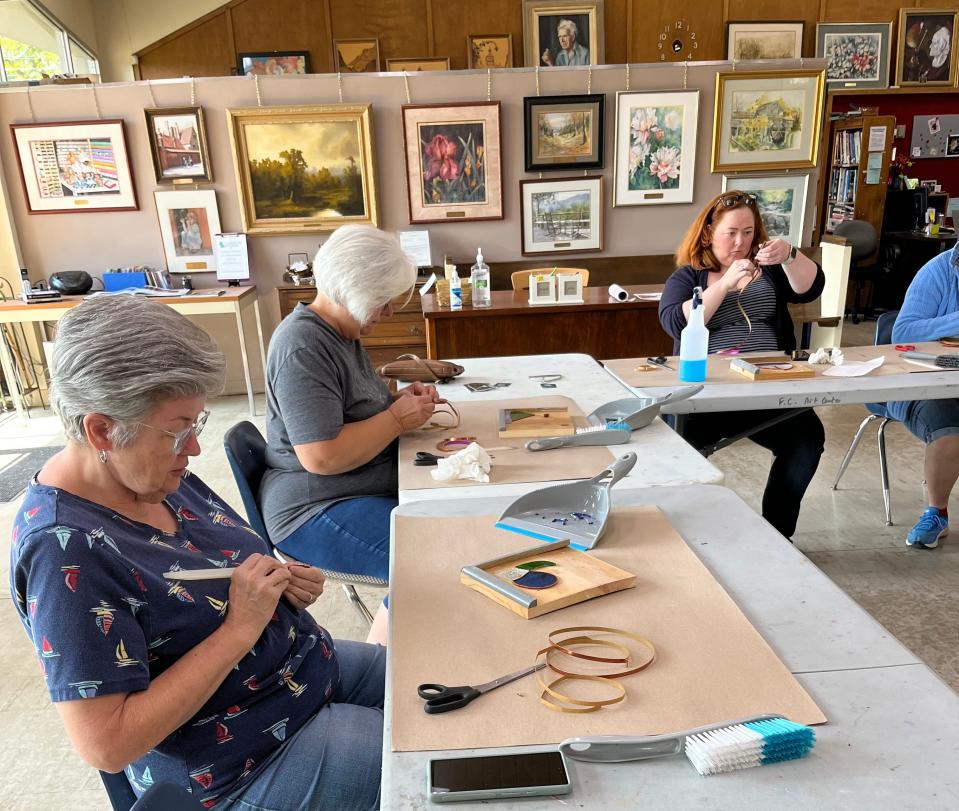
x: 79, y: 18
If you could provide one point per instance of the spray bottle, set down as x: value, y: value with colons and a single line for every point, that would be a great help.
x: 479, y: 279
x: 694, y: 342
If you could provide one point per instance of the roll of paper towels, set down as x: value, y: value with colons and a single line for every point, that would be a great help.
x: 618, y: 293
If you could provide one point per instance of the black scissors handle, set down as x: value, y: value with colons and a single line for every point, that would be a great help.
x: 426, y: 459
x: 440, y: 698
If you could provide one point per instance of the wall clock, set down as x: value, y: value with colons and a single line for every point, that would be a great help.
x: 677, y: 42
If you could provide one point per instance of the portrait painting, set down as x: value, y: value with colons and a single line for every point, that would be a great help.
x: 179, y: 146
x: 564, y: 132
x: 273, y: 63
x: 563, y: 33
x: 856, y: 54
x: 927, y: 47
x: 780, y: 199
x: 304, y: 168
x: 562, y: 216
x: 952, y: 145
x: 489, y: 51
x: 191, y: 231
x: 768, y: 40
x: 356, y: 55
x: 189, y: 220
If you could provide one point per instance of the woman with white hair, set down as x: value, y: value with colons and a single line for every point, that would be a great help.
x: 226, y: 687
x: 332, y: 424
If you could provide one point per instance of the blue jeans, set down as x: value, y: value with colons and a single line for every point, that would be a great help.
x: 333, y: 761
x: 930, y: 420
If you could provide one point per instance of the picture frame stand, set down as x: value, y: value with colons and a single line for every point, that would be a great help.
x: 569, y: 288
x: 542, y: 289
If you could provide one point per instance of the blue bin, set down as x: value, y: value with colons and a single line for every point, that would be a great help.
x: 112, y: 282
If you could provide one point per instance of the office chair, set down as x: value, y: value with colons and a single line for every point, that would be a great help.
x: 246, y: 452
x: 520, y: 278
x: 862, y: 237
x: 159, y: 797
x: 877, y: 411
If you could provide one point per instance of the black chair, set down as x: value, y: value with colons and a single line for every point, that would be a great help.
x: 877, y: 411
x: 159, y: 797
x: 862, y: 236
x: 246, y: 452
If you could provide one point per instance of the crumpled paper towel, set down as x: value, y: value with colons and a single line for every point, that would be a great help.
x: 832, y: 355
x: 473, y: 462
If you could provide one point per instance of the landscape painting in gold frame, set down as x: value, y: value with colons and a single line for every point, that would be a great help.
x: 767, y: 120
x: 303, y: 169
x: 927, y: 47
x: 425, y: 63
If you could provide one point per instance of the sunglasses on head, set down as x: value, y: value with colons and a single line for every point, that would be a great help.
x: 728, y: 201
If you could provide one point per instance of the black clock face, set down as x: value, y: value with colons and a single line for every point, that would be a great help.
x: 677, y: 45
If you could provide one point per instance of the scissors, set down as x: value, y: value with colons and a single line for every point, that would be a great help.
x: 660, y: 360
x: 905, y: 347
x: 426, y: 459
x: 440, y: 698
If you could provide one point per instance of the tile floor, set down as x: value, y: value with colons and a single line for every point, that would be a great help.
x: 911, y: 592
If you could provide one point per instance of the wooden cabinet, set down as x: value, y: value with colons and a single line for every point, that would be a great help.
x: 402, y: 333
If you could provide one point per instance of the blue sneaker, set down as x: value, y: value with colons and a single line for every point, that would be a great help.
x: 930, y: 527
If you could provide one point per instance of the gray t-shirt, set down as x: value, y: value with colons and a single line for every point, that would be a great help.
x: 317, y: 381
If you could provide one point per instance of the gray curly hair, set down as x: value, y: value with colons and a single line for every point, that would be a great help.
x: 120, y: 356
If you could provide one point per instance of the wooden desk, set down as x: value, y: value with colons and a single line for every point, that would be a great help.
x: 599, y: 327
x: 224, y: 301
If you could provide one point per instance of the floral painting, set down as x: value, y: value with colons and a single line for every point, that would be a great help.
x: 856, y: 54
x: 656, y: 147
x: 453, y: 166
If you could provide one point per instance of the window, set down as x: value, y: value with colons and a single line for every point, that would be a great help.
x: 82, y: 60
x: 33, y: 45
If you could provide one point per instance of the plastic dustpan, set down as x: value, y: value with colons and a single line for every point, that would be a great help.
x: 577, y: 511
x: 638, y: 412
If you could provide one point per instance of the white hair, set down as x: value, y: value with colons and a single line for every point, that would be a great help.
x: 122, y: 355
x: 570, y: 26
x: 362, y: 269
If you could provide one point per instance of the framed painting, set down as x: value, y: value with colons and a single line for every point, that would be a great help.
x: 74, y: 166
x: 178, y: 144
x: 927, y: 47
x: 356, y: 55
x: 188, y: 222
x: 767, y: 40
x: 273, y: 63
x: 856, y: 54
x: 781, y: 200
x: 767, y: 120
x: 301, y: 170
x: 655, y: 147
x: 562, y: 33
x: 453, y: 163
x: 412, y: 65
x: 564, y: 132
x: 564, y: 215
x: 489, y: 51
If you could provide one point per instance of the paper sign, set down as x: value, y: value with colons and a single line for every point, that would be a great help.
x: 428, y: 284
x: 873, y: 168
x: 877, y: 139
x: 232, y: 260
x: 854, y: 368
x: 416, y: 245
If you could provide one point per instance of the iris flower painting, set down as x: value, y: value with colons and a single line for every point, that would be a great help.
x: 453, y: 163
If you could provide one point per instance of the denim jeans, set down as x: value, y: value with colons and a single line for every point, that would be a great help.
x: 930, y: 420
x: 334, y: 760
x: 796, y: 444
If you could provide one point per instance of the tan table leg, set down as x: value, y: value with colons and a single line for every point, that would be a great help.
x: 6, y: 361
x: 246, y: 361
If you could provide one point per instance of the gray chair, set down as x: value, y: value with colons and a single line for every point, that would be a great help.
x: 158, y: 797
x: 863, y: 239
x: 246, y: 452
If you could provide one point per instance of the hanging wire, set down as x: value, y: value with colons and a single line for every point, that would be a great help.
x: 256, y: 84
x: 685, y: 75
x: 537, y: 80
x: 406, y: 81
x: 153, y: 100
x: 489, y: 84
x: 627, y: 76
x: 33, y: 116
x: 96, y: 101
x: 339, y: 85
x: 589, y: 80
x: 193, y: 91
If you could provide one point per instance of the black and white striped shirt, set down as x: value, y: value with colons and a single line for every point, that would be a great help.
x: 728, y: 328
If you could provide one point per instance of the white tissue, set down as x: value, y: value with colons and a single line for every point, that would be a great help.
x: 618, y: 293
x: 822, y: 356
x: 472, y: 462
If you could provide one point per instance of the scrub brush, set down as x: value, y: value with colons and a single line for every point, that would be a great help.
x: 942, y: 361
x: 712, y: 749
x: 613, y: 433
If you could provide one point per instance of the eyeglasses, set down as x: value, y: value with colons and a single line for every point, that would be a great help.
x: 735, y: 198
x: 180, y: 438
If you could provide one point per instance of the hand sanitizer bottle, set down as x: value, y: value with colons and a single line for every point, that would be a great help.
x: 456, y: 292
x: 694, y: 343
x: 479, y: 279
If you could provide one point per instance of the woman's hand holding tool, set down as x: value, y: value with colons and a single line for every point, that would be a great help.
x: 412, y: 410
x: 255, y: 589
x: 740, y: 273
x: 305, y: 586
x: 773, y: 252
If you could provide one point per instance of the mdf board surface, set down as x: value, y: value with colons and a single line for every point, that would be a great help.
x: 704, y: 17
x: 206, y: 50
x: 402, y: 26
x: 283, y: 25
x: 454, y: 20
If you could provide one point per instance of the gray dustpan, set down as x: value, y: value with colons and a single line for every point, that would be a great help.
x: 577, y: 511
x: 638, y: 412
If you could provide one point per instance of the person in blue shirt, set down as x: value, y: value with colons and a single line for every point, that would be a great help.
x: 570, y: 51
x: 227, y: 687
x: 930, y: 312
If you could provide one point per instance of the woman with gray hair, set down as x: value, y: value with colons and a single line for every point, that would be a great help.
x: 198, y: 682
x: 332, y: 424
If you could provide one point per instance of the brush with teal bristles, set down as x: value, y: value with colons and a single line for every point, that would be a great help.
x: 612, y: 433
x: 713, y: 749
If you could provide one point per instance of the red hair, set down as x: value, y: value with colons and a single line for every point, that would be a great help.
x: 696, y: 247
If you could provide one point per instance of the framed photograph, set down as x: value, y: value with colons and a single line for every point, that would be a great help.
x: 564, y: 132
x: 767, y: 120
x: 273, y: 63
x: 356, y: 55
x: 564, y: 215
x: 301, y: 170
x: 655, y: 147
x: 75, y: 166
x: 188, y: 222
x: 426, y: 63
x: 178, y: 145
x: 489, y: 51
x: 561, y: 33
x: 769, y: 40
x: 952, y: 145
x: 856, y: 54
x: 453, y: 163
x: 927, y: 47
x: 781, y: 200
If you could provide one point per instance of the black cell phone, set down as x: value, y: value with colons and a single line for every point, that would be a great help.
x: 526, y: 774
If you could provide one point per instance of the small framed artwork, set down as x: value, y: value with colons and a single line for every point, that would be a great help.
x: 412, y: 65
x: 303, y: 170
x: 273, y: 63
x: 767, y: 120
x: 453, y: 163
x: 781, y: 200
x: 75, y: 166
x: 188, y: 222
x: 927, y: 47
x: 356, y: 55
x: 856, y: 54
x: 489, y: 51
x: 178, y: 144
x: 564, y: 132
x: 564, y: 215
x: 952, y: 145
x: 563, y: 33
x: 655, y: 147
x: 768, y: 40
